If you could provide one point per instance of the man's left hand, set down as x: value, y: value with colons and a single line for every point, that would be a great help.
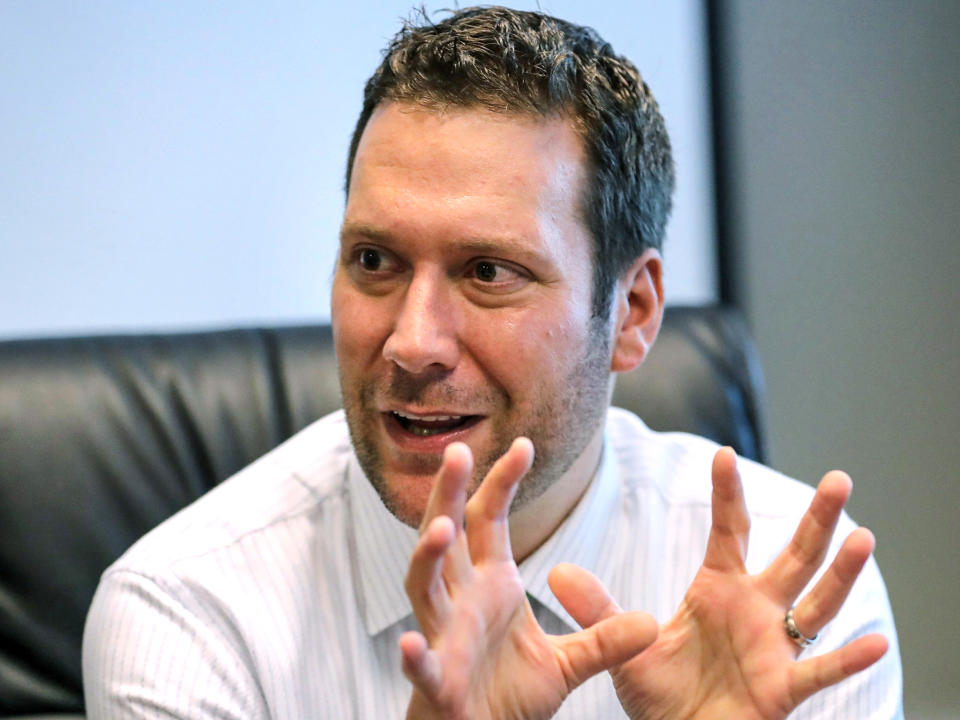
x: 726, y: 652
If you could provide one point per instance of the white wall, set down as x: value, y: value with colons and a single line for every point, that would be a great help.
x: 179, y: 164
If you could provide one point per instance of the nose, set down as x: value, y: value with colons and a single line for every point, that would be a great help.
x: 424, y: 332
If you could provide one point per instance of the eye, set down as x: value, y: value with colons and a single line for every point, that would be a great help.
x: 497, y: 276
x: 373, y: 260
x: 490, y: 271
x: 486, y: 271
x: 370, y: 259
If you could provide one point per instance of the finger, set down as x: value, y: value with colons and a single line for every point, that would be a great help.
x: 790, y: 572
x: 823, y: 603
x: 424, y: 581
x: 449, y: 492
x: 609, y: 643
x: 447, y: 498
x: 813, y: 675
x: 582, y: 594
x: 488, y: 531
x: 730, y: 532
x: 610, y: 637
x: 420, y: 664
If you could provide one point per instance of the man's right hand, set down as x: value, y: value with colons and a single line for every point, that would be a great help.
x: 481, y: 652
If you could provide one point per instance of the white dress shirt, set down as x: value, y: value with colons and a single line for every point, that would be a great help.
x: 279, y: 594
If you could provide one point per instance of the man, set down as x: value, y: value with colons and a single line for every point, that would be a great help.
x: 507, y: 188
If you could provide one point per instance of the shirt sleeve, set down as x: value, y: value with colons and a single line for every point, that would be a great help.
x: 149, y: 651
x: 877, y: 692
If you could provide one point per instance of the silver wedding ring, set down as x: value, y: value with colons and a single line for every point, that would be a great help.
x: 790, y: 625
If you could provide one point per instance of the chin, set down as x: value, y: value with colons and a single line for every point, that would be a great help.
x: 406, y: 497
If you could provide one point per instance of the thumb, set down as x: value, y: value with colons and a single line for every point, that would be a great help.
x: 420, y: 664
x: 582, y: 594
x: 611, y: 636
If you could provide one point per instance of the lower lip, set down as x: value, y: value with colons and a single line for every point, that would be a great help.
x: 425, y: 443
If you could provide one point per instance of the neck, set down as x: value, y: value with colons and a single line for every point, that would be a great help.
x: 532, y: 524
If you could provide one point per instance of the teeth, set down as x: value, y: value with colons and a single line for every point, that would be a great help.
x: 427, y: 418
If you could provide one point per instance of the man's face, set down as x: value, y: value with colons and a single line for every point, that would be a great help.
x: 461, y: 298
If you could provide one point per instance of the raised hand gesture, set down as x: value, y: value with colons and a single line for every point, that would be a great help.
x: 727, y: 652
x: 480, y: 652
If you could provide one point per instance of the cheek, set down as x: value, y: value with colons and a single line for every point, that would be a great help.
x: 561, y: 348
x: 357, y: 323
x: 530, y: 350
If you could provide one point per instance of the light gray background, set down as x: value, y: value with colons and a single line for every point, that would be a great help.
x: 844, y: 121
x: 179, y: 164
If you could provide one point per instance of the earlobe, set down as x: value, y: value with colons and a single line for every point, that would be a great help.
x: 638, y: 308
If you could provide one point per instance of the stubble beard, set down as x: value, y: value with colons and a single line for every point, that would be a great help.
x: 564, y: 420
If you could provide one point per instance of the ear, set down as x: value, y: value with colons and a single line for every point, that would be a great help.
x: 638, y: 308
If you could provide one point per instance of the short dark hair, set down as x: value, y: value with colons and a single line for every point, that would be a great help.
x: 526, y: 62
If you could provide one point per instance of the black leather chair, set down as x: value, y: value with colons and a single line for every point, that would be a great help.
x: 101, y: 438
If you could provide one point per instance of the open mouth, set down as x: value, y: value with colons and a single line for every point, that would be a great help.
x: 431, y: 425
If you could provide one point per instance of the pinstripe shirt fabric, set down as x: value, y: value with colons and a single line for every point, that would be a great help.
x: 280, y: 593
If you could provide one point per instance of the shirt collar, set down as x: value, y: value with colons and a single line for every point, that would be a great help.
x: 383, y: 546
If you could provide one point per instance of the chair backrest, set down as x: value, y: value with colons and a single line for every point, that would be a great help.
x: 102, y: 438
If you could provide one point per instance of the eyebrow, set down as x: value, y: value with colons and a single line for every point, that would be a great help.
x: 370, y: 231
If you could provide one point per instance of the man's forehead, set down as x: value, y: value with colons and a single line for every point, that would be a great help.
x: 466, y: 159
x: 470, y: 135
